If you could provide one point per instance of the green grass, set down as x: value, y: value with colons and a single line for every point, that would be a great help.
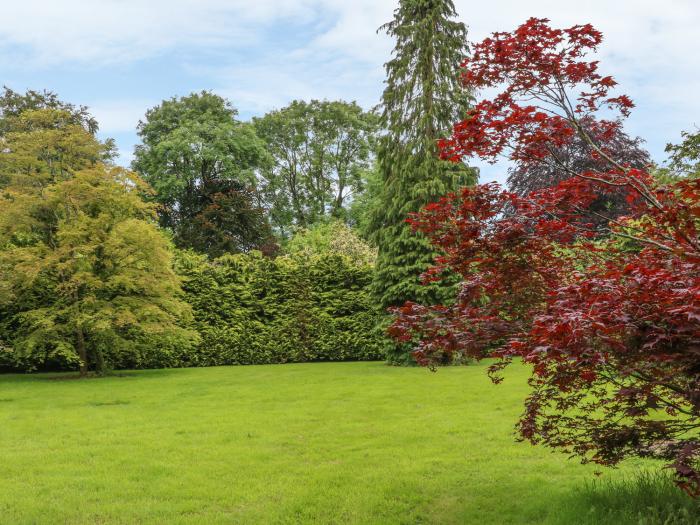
x: 308, y: 443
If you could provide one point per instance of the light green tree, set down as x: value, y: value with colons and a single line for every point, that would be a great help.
x: 320, y: 150
x: 43, y: 146
x: 13, y: 104
x: 86, y: 277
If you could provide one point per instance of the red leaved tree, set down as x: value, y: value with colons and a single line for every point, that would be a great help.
x: 610, y: 324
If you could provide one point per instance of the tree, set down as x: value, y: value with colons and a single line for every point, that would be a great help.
x: 363, y: 207
x: 332, y: 238
x: 612, y: 336
x: 86, y: 277
x: 577, y: 157
x: 422, y: 99
x: 685, y: 157
x: 195, y: 152
x: 44, y: 139
x: 226, y: 219
x: 320, y: 151
x: 13, y: 104
x: 44, y: 146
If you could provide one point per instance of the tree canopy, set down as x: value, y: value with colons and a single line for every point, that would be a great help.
x: 577, y: 156
x: 44, y: 146
x: 320, y: 150
x: 202, y: 162
x: 13, y: 104
x: 86, y: 277
x: 610, y: 325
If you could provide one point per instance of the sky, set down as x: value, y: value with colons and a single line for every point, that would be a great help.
x: 121, y: 57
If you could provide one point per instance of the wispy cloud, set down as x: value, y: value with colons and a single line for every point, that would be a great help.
x: 264, y: 53
x: 118, y: 31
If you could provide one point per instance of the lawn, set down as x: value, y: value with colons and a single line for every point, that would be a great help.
x: 302, y: 443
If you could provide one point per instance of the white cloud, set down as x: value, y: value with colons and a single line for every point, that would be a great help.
x: 108, y: 31
x: 354, y: 32
x: 640, y: 34
x: 650, y: 46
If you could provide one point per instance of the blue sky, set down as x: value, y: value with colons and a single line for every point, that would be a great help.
x: 121, y: 57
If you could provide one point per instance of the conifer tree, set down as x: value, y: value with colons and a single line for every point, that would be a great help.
x: 422, y: 99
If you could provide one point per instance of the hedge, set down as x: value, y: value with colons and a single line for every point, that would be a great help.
x: 250, y: 309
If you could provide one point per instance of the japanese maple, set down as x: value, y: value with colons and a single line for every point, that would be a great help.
x: 610, y: 324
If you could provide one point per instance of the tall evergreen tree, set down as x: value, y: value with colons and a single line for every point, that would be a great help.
x: 422, y: 99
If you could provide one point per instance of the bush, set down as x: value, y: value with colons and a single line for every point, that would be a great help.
x: 332, y: 237
x: 250, y: 309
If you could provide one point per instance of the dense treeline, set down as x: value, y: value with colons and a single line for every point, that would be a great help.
x: 282, y: 219
x: 250, y: 309
x: 90, y: 276
x: 87, y: 273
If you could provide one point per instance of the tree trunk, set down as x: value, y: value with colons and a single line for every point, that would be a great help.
x: 82, y: 352
x: 100, y: 362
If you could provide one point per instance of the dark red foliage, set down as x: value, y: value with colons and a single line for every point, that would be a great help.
x: 578, y: 157
x: 610, y: 326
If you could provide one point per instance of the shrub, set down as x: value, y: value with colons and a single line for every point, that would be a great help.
x: 332, y: 237
x: 250, y: 309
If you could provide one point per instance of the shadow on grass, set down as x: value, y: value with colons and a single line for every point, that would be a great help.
x: 75, y: 376
x: 116, y: 402
x: 648, y: 498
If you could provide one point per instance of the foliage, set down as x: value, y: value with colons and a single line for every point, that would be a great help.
x: 421, y: 101
x: 362, y: 208
x: 251, y: 309
x: 85, y: 276
x: 685, y: 157
x: 14, y: 104
x: 332, y: 237
x: 225, y: 219
x: 201, y: 162
x: 612, y: 338
x: 576, y: 156
x: 44, y: 146
x: 320, y: 151
x: 422, y: 98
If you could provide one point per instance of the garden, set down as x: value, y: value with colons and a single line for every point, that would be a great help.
x: 324, y: 314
